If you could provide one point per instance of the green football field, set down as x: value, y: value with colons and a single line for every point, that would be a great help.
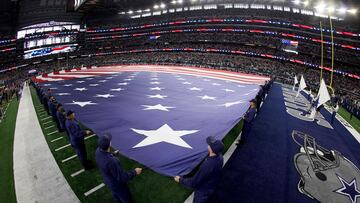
x: 148, y: 187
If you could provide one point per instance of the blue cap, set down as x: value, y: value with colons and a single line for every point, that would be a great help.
x: 216, y: 145
x: 68, y: 113
x: 104, y: 141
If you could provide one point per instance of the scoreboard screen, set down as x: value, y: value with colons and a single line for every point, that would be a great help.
x: 78, y: 3
x: 49, y: 50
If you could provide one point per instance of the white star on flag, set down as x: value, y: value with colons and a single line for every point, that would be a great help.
x: 156, y: 88
x: 89, y: 78
x: 53, y: 88
x: 215, y: 84
x: 241, y: 86
x: 117, y: 90
x: 104, y: 95
x: 123, y: 83
x: 154, y: 78
x: 155, y: 83
x: 159, y: 96
x: 228, y: 104
x: 102, y: 80
x: 157, y: 107
x: 67, y: 85
x: 81, y: 81
x: 164, y: 134
x: 63, y: 94
x: 195, y: 89
x: 131, y: 76
x: 46, y: 85
x: 93, y: 85
x: 205, y: 97
x: 228, y: 90
x: 128, y: 79
x: 207, y: 80
x: 186, y: 83
x: 180, y: 79
x: 82, y: 104
x: 108, y: 78
x: 80, y: 89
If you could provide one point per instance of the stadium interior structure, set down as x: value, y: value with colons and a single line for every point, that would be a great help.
x: 44, y: 42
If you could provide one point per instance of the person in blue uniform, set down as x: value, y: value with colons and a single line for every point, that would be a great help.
x: 248, y: 119
x: 115, y: 177
x: 77, y: 136
x: 61, y: 118
x: 52, y: 107
x: 206, y: 179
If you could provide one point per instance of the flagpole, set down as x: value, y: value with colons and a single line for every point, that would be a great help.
x: 332, y: 52
x: 322, y: 51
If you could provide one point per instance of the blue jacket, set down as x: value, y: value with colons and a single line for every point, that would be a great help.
x: 52, y: 108
x: 115, y: 178
x: 75, y: 132
x: 60, y: 116
x: 208, y: 176
x: 250, y: 114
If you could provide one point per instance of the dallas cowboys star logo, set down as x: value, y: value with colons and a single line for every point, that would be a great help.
x: 82, y: 104
x: 164, y: 134
x: 349, y: 189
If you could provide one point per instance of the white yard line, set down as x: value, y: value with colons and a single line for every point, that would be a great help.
x: 53, y: 132
x: 47, y: 122
x: 78, y: 172
x: 60, y: 148
x: 43, y: 119
x: 37, y: 176
x: 59, y: 138
x: 94, y: 189
x: 69, y: 158
x: 49, y: 127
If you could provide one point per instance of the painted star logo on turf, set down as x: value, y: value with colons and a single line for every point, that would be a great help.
x: 157, y: 107
x: 117, y: 89
x: 63, y: 94
x: 156, y: 88
x: 123, y: 83
x: 67, y: 85
x: 104, y: 95
x: 186, y: 83
x: 155, y: 83
x: 205, y: 97
x: 349, y: 189
x: 158, y: 96
x: 228, y: 90
x: 164, y: 134
x: 80, y: 81
x: 229, y: 104
x: 80, y: 89
x: 216, y: 84
x: 195, y: 89
x: 93, y: 85
x: 82, y: 104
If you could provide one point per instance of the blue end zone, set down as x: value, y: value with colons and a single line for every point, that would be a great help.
x: 263, y: 169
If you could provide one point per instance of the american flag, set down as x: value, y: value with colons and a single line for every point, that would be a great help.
x: 159, y: 116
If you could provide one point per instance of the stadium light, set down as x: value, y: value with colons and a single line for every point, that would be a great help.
x: 353, y: 11
x: 162, y: 5
x: 138, y: 11
x: 130, y: 12
x: 297, y: 2
x: 193, y: 1
x: 173, y: 2
x: 306, y: 3
x: 156, y: 6
x: 147, y: 10
x: 180, y: 1
x: 320, y: 7
x: 330, y: 9
x: 342, y: 10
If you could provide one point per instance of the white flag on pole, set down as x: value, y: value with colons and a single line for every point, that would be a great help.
x: 295, y: 82
x: 302, y: 85
x: 323, y: 94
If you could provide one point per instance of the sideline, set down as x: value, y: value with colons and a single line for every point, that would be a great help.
x: 37, y: 176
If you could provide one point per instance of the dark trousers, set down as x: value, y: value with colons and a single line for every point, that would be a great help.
x: 201, y: 197
x: 80, y: 150
x: 124, y: 196
x: 245, y: 131
x: 333, y: 117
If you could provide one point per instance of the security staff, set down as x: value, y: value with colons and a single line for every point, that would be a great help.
x: 206, y: 179
x: 61, y: 118
x: 248, y: 119
x: 77, y: 136
x: 115, y: 178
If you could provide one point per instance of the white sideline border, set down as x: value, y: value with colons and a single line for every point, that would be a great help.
x: 37, y: 177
